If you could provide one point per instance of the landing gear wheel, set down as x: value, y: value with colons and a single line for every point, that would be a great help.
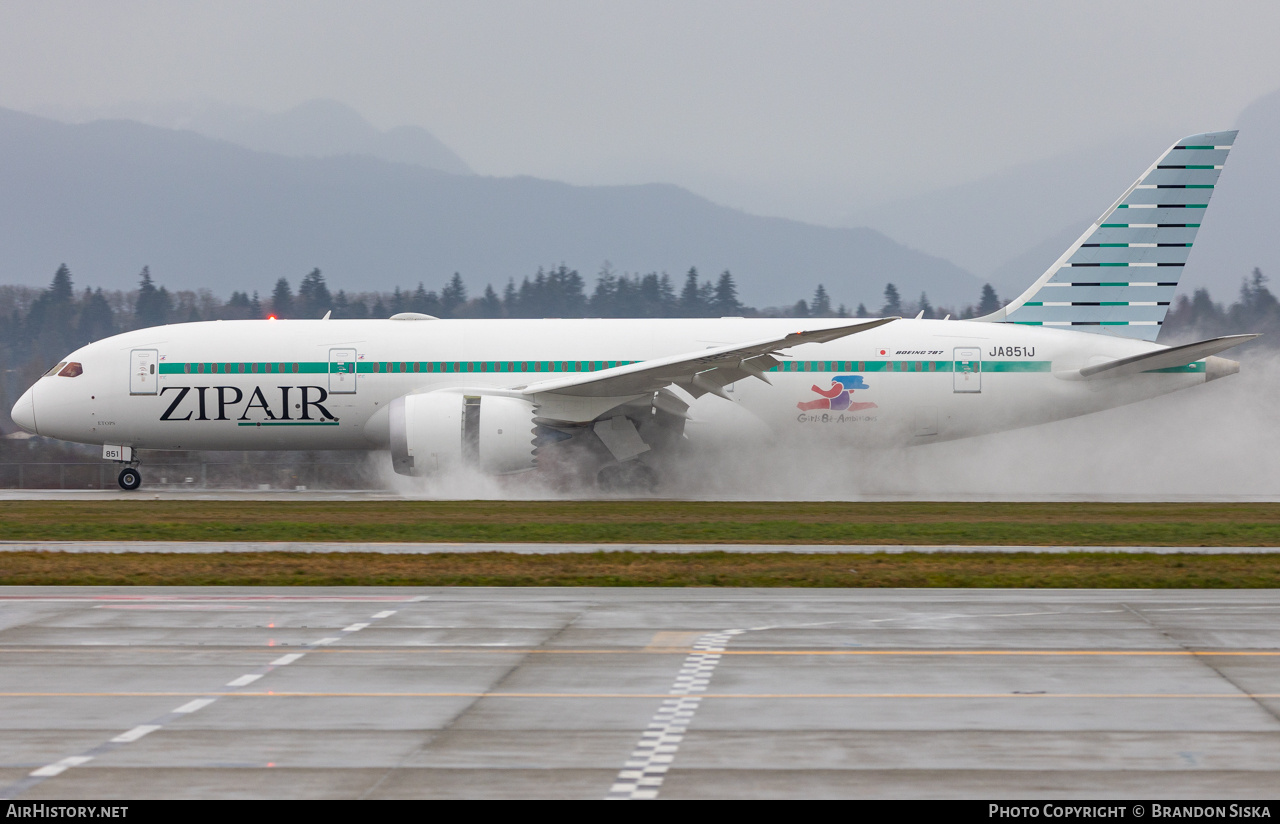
x: 130, y: 479
x: 631, y: 476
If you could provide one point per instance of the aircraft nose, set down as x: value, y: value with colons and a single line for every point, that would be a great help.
x: 24, y: 411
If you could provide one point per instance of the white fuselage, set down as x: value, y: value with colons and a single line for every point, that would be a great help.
x: 300, y: 384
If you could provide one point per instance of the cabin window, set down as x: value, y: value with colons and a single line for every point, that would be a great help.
x: 186, y: 367
x: 75, y: 370
x: 242, y: 368
x: 295, y: 367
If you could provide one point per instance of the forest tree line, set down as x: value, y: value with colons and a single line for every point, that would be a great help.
x: 39, y: 326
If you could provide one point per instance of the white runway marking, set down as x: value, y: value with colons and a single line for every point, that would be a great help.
x: 62, y: 766
x: 194, y: 706
x: 243, y: 680
x: 645, y: 770
x: 135, y: 733
x: 169, y: 602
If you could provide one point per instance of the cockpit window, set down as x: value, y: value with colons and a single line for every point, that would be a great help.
x: 55, y: 369
x: 72, y: 370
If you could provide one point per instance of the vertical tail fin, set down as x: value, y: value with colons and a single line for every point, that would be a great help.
x: 1119, y: 277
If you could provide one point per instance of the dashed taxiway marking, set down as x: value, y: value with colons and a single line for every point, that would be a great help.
x: 196, y: 704
x: 135, y: 733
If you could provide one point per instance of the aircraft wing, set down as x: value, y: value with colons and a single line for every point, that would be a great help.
x: 698, y: 372
x: 1161, y: 358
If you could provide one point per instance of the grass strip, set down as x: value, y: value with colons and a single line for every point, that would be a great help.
x: 626, y: 569
x: 684, y: 522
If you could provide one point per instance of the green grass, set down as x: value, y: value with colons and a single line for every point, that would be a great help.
x: 1006, y: 524
x: 709, y: 569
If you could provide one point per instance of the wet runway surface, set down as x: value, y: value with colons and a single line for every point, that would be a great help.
x: 673, y: 693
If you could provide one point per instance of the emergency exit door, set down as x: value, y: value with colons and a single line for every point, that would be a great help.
x: 967, y: 370
x: 342, y: 371
x: 143, y: 379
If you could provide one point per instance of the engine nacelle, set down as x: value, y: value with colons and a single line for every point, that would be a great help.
x: 444, y: 430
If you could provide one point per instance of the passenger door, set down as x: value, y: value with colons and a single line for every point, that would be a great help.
x: 342, y: 371
x: 967, y: 370
x: 143, y: 379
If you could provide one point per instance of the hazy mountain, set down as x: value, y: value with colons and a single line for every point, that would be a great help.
x: 990, y: 222
x: 1008, y: 228
x: 317, y: 128
x: 1242, y: 229
x: 108, y: 197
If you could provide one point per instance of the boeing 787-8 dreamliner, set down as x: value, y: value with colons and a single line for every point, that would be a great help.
x: 491, y: 393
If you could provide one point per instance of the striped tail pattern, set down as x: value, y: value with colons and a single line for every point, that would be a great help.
x: 1119, y: 277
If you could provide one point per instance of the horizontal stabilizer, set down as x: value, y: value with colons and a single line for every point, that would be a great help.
x: 1169, y: 358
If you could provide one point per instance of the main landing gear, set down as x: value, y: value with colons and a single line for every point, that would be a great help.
x: 130, y: 478
x: 627, y: 477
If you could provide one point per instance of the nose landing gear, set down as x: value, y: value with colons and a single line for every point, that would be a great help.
x: 130, y: 478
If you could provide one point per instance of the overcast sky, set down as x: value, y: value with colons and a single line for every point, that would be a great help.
x: 795, y: 108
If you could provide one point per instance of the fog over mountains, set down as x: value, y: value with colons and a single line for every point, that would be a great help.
x: 316, y: 128
x: 107, y: 197
x: 226, y: 197
x: 1009, y: 227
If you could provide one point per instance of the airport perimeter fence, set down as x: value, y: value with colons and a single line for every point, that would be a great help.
x: 195, y: 475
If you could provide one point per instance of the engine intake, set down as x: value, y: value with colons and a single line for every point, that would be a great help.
x: 444, y: 430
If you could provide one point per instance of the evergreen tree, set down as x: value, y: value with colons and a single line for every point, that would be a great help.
x: 453, y: 296
x: 925, y: 306
x: 691, y: 305
x: 341, y: 309
x: 153, y: 305
x: 821, y: 306
x: 50, y: 318
x: 603, y: 299
x: 314, y: 299
x: 282, y: 300
x: 490, y: 304
x: 800, y: 310
x: 892, y: 301
x: 862, y: 311
x: 989, y: 302
x: 96, y: 320
x: 726, y: 301
x: 509, y: 299
x: 239, y: 307
x: 255, y: 306
x: 424, y: 302
x: 62, y: 292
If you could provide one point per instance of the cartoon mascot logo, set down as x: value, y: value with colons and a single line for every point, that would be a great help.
x: 839, y: 396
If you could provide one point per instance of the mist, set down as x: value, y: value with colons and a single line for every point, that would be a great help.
x: 1216, y: 442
